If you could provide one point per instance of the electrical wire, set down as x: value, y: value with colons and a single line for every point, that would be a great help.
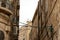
x: 26, y: 25
x: 22, y: 23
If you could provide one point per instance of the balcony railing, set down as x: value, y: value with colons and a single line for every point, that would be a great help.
x: 7, y: 4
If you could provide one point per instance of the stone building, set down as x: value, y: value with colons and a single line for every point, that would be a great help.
x: 24, y: 32
x: 7, y: 10
x: 48, y: 20
x: 34, y: 30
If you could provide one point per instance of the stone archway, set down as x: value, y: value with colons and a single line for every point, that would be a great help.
x: 1, y: 35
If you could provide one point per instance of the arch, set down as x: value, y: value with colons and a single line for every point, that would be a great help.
x: 1, y: 35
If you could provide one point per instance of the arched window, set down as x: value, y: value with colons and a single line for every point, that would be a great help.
x: 1, y: 35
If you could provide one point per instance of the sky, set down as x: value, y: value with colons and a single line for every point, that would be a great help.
x: 27, y: 10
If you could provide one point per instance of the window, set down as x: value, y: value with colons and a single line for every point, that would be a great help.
x: 24, y: 39
x: 51, y: 32
x: 51, y: 28
x: 1, y: 35
x: 17, y: 20
x: 9, y: 5
x: 18, y: 7
x: 3, y: 4
x: 14, y: 29
x: 13, y: 19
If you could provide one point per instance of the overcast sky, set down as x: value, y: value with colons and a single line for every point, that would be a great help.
x: 27, y: 10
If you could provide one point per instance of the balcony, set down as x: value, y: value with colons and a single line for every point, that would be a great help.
x: 6, y: 7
